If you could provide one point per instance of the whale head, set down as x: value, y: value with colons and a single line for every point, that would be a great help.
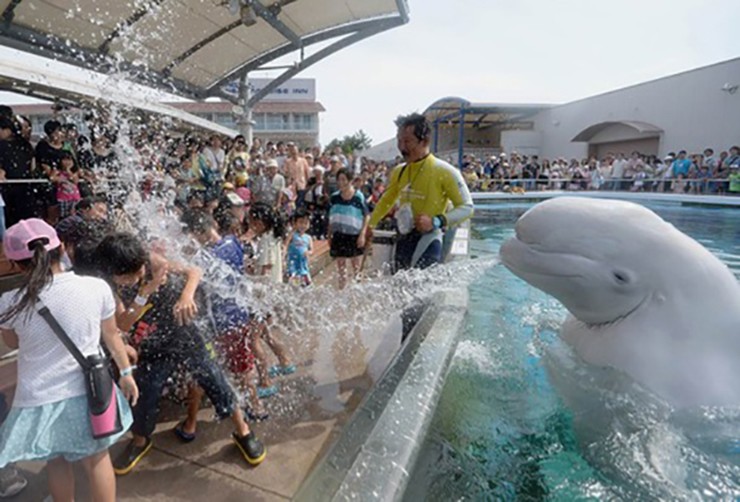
x: 604, y: 259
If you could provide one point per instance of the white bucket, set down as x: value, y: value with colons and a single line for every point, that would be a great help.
x: 384, y: 245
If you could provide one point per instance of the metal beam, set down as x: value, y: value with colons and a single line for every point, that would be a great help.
x: 461, y: 139
x: 403, y: 9
x: 130, y: 21
x: 478, y: 122
x: 377, y: 24
x: 314, y: 58
x: 195, y: 48
x: 9, y: 12
x: 271, y: 16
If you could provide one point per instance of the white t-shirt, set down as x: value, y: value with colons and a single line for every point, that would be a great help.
x: 47, y: 372
x: 278, y: 183
x: 269, y: 252
x: 215, y: 159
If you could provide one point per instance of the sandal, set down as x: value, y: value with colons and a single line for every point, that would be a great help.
x: 185, y: 437
x: 282, y: 370
x: 254, y: 416
x: 263, y: 392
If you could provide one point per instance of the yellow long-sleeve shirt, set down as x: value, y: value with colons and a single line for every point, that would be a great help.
x: 428, y: 185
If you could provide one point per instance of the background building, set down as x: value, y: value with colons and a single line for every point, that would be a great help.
x: 289, y: 112
x: 692, y: 110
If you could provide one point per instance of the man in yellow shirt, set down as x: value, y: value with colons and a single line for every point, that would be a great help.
x: 424, y: 188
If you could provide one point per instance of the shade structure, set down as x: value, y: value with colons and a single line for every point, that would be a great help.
x: 191, y: 47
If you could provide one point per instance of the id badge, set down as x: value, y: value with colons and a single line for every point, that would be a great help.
x: 405, y: 219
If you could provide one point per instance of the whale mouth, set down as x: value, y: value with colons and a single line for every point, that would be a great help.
x: 530, y: 259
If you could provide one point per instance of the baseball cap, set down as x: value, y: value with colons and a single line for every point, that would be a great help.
x: 272, y: 163
x: 334, y: 158
x: 17, y: 238
x: 234, y: 199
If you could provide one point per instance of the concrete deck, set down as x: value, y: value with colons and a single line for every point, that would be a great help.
x: 336, y: 370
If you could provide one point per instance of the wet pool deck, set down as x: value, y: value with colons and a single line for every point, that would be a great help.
x: 336, y: 371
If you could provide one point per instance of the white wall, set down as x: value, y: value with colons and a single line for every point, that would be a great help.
x: 691, y: 108
x: 523, y: 142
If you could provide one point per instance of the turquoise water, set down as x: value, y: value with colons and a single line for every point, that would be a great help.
x: 501, y: 433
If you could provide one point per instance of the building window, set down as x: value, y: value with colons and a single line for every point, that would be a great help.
x: 304, y: 122
x: 259, y: 121
x: 277, y: 122
x: 225, y: 119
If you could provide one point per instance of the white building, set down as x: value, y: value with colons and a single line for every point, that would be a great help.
x: 689, y: 111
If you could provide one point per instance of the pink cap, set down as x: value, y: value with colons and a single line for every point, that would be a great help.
x: 17, y: 237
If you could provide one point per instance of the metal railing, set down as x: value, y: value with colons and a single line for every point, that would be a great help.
x: 684, y: 185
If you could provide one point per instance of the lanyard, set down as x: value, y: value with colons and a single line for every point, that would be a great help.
x: 407, y: 190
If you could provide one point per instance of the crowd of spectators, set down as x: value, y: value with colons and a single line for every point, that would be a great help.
x: 50, y: 178
x: 254, y: 208
x: 697, y: 173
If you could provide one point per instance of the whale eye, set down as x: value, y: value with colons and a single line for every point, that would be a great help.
x: 621, y: 277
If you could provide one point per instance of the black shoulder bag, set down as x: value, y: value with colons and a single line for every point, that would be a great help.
x: 102, y: 400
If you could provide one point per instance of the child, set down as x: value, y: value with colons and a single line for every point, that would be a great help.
x: 230, y: 321
x: 267, y: 225
x: 162, y: 308
x: 50, y: 415
x: 66, y: 179
x: 299, y: 249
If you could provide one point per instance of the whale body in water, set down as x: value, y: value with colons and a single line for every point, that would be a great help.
x: 643, y: 297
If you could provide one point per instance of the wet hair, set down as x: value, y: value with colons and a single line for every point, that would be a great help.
x: 88, y: 202
x: 7, y: 123
x: 422, y: 128
x: 6, y: 111
x: 227, y: 222
x: 121, y: 254
x: 269, y: 217
x: 298, y: 215
x: 196, y: 194
x: 85, y: 257
x: 197, y: 221
x: 38, y: 275
x: 344, y: 171
x: 51, y: 126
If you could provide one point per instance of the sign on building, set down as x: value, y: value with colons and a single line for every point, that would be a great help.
x: 296, y: 89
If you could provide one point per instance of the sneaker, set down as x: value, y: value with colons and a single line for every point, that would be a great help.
x: 130, y: 456
x: 251, y: 448
x: 11, y: 482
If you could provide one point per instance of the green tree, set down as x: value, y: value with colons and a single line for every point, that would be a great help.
x: 350, y: 144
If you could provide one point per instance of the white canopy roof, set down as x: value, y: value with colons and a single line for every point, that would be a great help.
x: 190, y: 47
x: 52, y: 80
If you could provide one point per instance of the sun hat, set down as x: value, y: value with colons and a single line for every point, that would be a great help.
x: 17, y: 238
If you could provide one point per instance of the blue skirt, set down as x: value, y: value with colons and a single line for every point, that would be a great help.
x: 60, y: 429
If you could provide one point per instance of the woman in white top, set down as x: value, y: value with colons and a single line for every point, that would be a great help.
x: 49, y: 419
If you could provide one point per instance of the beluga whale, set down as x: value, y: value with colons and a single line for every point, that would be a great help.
x: 643, y: 298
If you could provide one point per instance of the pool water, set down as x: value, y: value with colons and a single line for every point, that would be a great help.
x: 501, y: 432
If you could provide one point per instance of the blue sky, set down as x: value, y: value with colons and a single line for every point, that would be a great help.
x: 518, y: 51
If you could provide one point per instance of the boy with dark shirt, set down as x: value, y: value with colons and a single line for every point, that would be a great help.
x: 160, y: 309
